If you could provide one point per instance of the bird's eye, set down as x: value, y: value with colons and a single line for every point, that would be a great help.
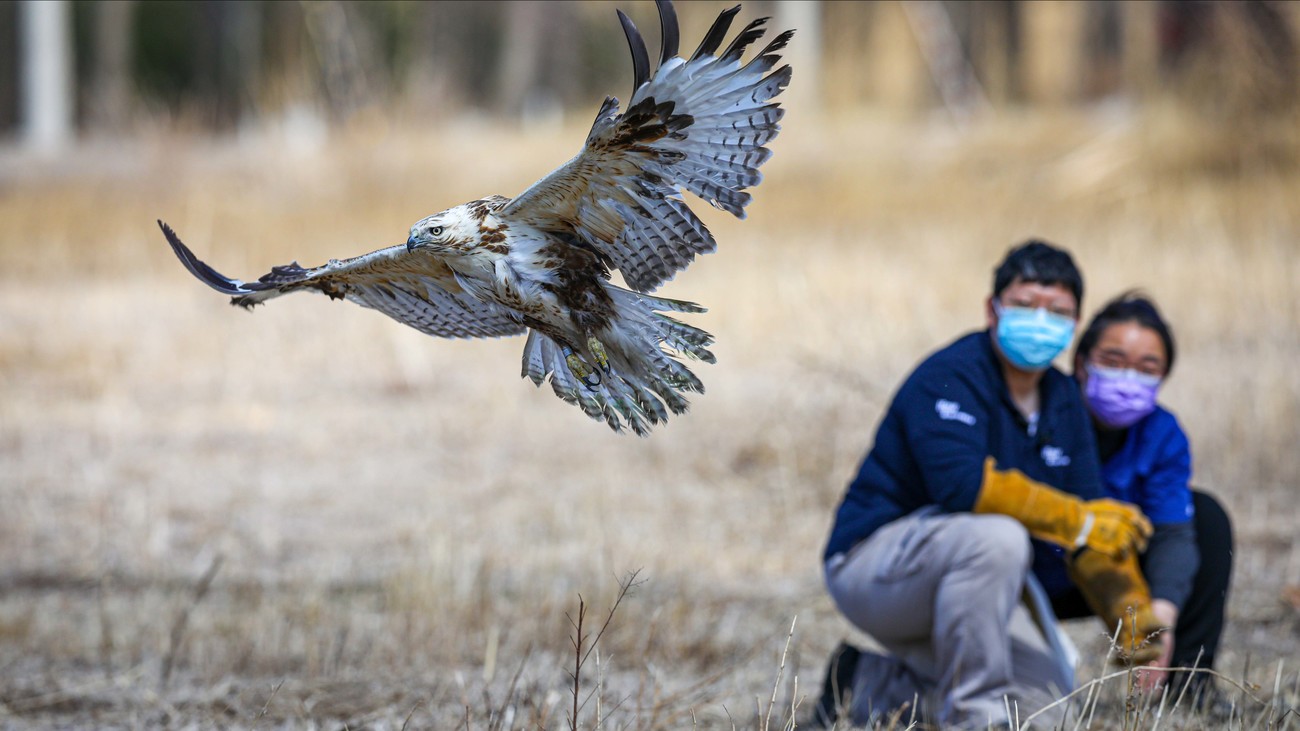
x: 435, y: 231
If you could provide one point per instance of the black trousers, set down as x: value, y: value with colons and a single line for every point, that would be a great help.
x: 1200, y: 624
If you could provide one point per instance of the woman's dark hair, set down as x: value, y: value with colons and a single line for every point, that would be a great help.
x: 1041, y: 263
x: 1131, y: 306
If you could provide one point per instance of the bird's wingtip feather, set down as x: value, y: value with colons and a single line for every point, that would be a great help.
x: 198, y: 268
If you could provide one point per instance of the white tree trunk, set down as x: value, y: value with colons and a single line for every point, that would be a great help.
x: 110, y: 80
x: 804, y: 53
x: 46, y: 84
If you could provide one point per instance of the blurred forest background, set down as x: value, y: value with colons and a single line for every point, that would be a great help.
x: 85, y: 67
x: 312, y: 517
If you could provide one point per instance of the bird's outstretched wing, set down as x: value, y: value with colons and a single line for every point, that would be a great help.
x: 419, y: 292
x: 698, y: 124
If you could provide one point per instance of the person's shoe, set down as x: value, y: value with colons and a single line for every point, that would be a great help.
x: 837, y: 688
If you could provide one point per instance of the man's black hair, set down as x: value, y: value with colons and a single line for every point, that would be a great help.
x: 1128, y: 307
x: 1041, y: 263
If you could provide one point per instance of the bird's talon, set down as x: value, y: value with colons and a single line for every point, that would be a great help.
x: 580, y: 369
x: 597, y: 349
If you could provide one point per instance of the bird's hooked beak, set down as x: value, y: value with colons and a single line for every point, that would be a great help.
x: 411, y: 243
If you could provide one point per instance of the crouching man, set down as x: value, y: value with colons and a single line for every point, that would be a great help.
x: 984, y: 445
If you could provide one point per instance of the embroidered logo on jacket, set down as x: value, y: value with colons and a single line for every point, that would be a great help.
x: 951, y: 411
x: 1055, y: 456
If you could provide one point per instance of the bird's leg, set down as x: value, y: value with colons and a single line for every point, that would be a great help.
x: 579, y: 367
x: 597, y: 349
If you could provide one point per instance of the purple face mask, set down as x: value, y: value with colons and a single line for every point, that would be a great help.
x: 1120, y: 398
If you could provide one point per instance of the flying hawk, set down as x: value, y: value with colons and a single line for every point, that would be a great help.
x: 540, y: 263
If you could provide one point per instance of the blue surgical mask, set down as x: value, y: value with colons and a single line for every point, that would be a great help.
x: 1030, y: 339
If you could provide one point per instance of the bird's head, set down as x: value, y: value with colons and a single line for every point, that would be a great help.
x: 433, y: 232
x: 456, y: 229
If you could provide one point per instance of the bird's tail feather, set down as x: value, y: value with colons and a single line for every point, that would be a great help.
x: 645, y: 382
x: 542, y: 357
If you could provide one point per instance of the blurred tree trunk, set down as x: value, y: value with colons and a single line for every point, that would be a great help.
x: 521, y: 59
x: 563, y: 74
x: 804, y: 53
x: 286, y: 71
x: 895, y: 66
x: 1141, y: 47
x: 239, y: 76
x: 1053, y: 49
x: 430, y: 84
x: 46, y: 87
x: 950, y: 69
x: 9, y: 65
x: 844, y: 71
x: 992, y: 33
x: 1292, y: 11
x: 348, y: 70
x: 111, y: 69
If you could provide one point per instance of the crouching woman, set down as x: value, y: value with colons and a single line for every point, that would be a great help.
x: 1122, y: 359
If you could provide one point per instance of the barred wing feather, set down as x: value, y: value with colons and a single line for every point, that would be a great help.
x: 698, y: 124
x: 421, y: 293
x: 432, y: 311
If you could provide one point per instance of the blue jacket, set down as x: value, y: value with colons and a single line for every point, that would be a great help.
x: 1151, y: 470
x: 949, y: 415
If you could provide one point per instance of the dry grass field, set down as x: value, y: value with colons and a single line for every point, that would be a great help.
x: 312, y: 517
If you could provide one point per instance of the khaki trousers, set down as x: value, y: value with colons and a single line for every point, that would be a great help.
x: 942, y: 594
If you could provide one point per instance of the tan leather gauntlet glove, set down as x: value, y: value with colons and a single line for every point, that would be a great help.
x: 1111, y: 587
x: 1106, y: 526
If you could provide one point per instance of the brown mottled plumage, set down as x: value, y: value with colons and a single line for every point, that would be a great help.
x: 541, y: 263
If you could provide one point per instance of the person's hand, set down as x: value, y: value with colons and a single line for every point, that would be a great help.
x: 1153, y: 675
x: 1117, y: 592
x: 1109, y: 527
x: 1113, y: 528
